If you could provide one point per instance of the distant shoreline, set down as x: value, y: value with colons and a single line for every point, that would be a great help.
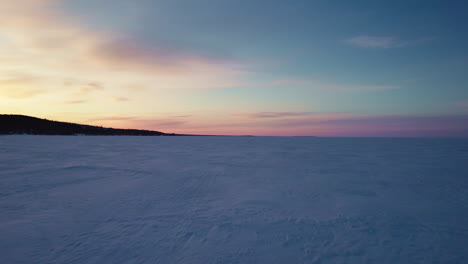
x: 28, y: 125
x: 11, y: 124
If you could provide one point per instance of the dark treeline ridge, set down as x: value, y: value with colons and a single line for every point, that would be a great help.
x: 21, y: 124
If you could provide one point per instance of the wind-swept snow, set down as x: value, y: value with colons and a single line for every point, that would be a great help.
x: 232, y: 200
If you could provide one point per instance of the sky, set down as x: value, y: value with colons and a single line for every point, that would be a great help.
x: 240, y: 67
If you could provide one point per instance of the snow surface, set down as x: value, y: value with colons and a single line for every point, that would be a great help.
x: 84, y: 199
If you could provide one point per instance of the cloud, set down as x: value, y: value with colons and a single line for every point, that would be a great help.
x: 298, y: 124
x: 354, y: 88
x: 156, y: 123
x: 112, y: 118
x: 39, y: 38
x: 181, y: 116
x: 338, y: 124
x: 165, y: 123
x: 89, y: 87
x: 19, y: 93
x: 16, y: 85
x: 76, y: 102
x: 461, y: 104
x: 273, y: 114
x: 384, y: 42
x: 380, y: 125
x: 408, y: 121
x: 327, y: 87
x: 376, y: 42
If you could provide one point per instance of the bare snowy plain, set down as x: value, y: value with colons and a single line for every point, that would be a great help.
x: 84, y: 199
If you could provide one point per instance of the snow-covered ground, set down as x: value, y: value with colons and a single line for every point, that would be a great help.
x: 83, y: 199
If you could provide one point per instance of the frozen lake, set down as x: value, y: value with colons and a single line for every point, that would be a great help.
x: 82, y: 199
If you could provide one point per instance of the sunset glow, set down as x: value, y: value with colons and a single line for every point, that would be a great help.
x: 281, y: 70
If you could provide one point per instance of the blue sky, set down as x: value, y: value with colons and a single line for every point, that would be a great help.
x: 335, y: 59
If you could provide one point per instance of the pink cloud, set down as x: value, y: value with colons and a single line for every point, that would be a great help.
x: 376, y: 42
x: 461, y: 104
x: 273, y: 114
x: 313, y: 124
x: 323, y: 86
x: 339, y: 124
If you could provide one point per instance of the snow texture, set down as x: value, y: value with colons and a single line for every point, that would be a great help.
x: 87, y: 199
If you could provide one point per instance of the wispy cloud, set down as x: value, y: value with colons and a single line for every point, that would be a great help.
x: 19, y: 93
x: 111, y: 118
x: 461, y: 104
x: 75, y: 102
x: 121, y: 99
x: 408, y: 121
x: 19, y: 86
x: 379, y: 42
x: 89, y: 87
x: 165, y: 124
x: 325, y: 86
x: 384, y: 42
x: 355, y: 88
x: 273, y: 114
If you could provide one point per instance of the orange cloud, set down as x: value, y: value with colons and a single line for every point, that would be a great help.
x: 37, y: 38
x: 17, y: 86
